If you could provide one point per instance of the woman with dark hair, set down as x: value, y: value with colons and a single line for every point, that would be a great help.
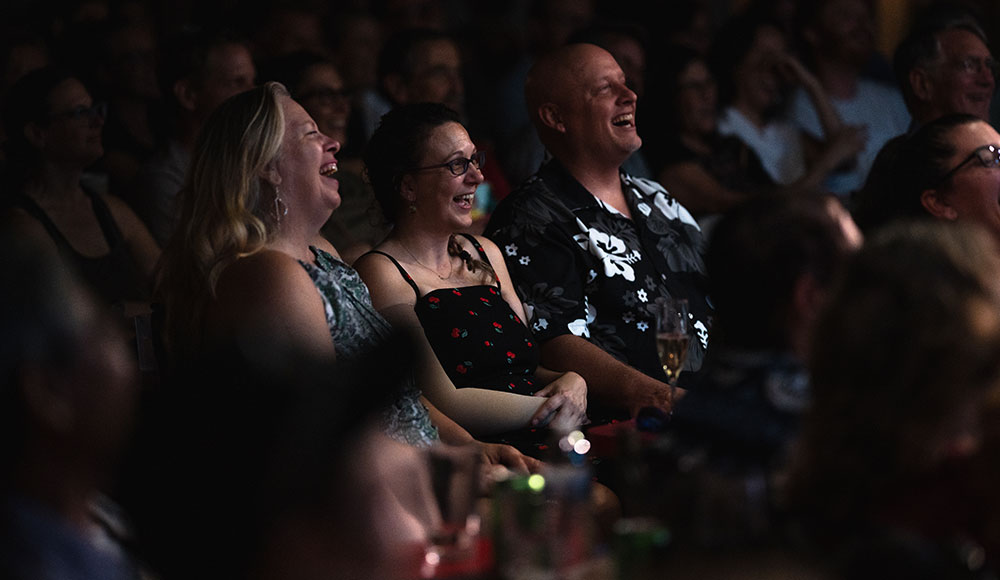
x: 946, y: 169
x: 454, y: 289
x: 53, y: 133
x: 706, y: 171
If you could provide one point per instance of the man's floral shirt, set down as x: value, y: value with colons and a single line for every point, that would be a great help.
x: 582, y: 267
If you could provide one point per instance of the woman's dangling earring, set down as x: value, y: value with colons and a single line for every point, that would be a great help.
x: 280, y: 209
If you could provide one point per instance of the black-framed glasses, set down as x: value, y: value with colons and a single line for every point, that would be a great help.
x: 459, y: 167
x: 83, y: 113
x: 986, y: 155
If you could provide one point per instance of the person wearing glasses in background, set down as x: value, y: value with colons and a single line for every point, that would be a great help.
x: 947, y: 169
x: 54, y: 132
x: 945, y: 66
x: 452, y: 290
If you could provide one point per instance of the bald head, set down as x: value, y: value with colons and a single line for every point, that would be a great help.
x: 554, y: 75
x: 580, y: 105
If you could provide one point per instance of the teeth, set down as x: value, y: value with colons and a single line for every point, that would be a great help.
x: 467, y: 197
x: 328, y: 170
x: 625, y: 119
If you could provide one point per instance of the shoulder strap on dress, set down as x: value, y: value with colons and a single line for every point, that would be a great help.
x: 112, y: 233
x: 402, y: 271
x: 29, y: 205
x: 482, y: 253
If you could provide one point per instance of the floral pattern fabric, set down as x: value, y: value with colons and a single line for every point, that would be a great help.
x: 357, y: 327
x: 581, y: 267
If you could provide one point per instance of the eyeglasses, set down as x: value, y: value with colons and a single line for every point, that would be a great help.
x: 974, y: 64
x: 987, y: 156
x: 83, y: 113
x: 459, y: 167
x: 327, y: 96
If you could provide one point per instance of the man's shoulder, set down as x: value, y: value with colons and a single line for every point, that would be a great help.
x: 533, y: 201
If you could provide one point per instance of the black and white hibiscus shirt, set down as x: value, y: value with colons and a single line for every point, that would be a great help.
x: 582, y: 267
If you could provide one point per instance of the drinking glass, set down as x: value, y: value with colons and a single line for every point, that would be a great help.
x: 455, y: 480
x: 672, y: 336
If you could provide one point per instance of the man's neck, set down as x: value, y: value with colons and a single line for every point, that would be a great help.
x: 603, y: 182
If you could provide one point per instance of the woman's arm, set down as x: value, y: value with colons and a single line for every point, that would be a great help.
x: 841, y: 142
x: 480, y: 411
x: 492, y: 453
x: 697, y: 189
x: 569, y: 384
x: 142, y: 247
x: 269, y: 297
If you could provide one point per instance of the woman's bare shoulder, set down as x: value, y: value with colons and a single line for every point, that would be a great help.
x: 385, y: 282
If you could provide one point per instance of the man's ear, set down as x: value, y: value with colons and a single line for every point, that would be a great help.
x: 35, y: 135
x: 921, y: 84
x: 937, y: 205
x: 550, y: 117
x: 185, y: 94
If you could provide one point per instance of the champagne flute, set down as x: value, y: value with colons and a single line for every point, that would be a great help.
x: 672, y: 337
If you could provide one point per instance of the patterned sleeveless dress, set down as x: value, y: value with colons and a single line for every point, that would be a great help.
x: 357, y: 327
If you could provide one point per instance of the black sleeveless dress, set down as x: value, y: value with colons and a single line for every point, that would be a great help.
x: 481, y: 343
x: 476, y: 336
x: 113, y: 276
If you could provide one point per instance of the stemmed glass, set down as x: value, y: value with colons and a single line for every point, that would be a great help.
x: 672, y: 337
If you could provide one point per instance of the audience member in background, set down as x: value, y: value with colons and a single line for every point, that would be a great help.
x: 706, y: 171
x: 755, y: 71
x: 249, y: 267
x: 903, y: 360
x: 54, y: 134
x: 423, y: 65
x: 69, y: 395
x: 590, y: 248
x: 948, y: 169
x: 21, y: 53
x: 838, y: 39
x: 199, y: 69
x: 546, y: 25
x: 944, y: 66
x: 356, y: 37
x: 771, y: 263
x: 480, y: 360
x: 127, y: 81
x: 316, y: 84
x: 282, y: 28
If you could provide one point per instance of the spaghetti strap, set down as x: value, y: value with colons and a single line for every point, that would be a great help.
x: 112, y: 233
x: 482, y: 254
x: 402, y: 271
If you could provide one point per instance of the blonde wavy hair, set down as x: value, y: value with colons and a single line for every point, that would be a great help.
x: 227, y: 210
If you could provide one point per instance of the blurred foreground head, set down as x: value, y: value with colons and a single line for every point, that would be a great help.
x: 904, y: 358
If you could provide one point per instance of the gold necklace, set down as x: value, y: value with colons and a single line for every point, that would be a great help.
x: 451, y: 266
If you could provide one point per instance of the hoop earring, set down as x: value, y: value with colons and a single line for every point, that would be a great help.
x: 280, y: 209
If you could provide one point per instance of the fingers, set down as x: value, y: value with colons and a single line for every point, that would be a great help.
x: 547, y: 390
x: 547, y: 410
